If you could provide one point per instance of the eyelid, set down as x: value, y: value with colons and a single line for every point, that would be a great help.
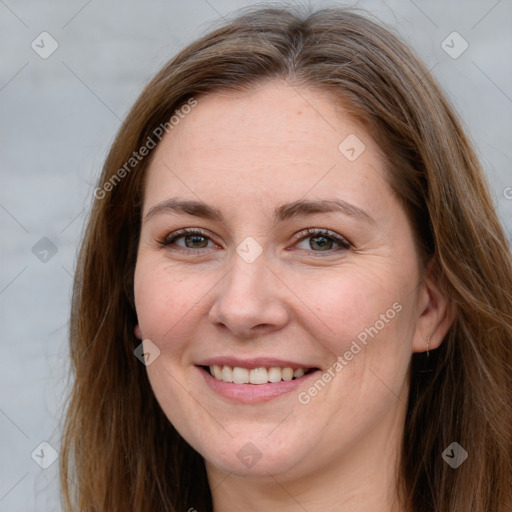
x: 187, y: 231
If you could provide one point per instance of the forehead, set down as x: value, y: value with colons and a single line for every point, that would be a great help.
x: 274, y: 143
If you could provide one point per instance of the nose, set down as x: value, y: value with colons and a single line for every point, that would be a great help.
x: 251, y: 300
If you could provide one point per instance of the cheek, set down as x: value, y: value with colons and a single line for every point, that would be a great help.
x: 162, y: 297
x: 348, y: 300
x: 171, y: 304
x: 164, y: 301
x: 336, y: 305
x: 369, y: 319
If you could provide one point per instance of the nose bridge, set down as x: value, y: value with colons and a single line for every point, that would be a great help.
x: 249, y: 297
x: 248, y: 277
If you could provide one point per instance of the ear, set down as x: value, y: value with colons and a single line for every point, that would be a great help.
x: 436, y: 314
x: 137, y: 331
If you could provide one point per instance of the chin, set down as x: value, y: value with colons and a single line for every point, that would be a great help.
x: 256, y: 458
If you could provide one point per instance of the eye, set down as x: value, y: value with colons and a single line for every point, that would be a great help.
x: 192, y: 239
x: 322, y: 240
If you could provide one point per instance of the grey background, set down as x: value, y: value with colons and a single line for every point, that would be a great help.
x: 59, y: 116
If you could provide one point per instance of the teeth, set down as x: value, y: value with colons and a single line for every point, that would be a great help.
x: 217, y: 371
x: 227, y: 374
x: 258, y: 376
x: 239, y: 375
x: 287, y: 373
x: 298, y: 373
x: 274, y: 374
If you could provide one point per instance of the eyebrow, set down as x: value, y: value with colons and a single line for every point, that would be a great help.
x: 295, y: 209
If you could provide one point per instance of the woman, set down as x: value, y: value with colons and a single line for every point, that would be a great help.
x: 293, y: 292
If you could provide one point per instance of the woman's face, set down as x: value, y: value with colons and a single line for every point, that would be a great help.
x: 304, y: 260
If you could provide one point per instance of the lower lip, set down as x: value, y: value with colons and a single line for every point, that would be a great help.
x: 253, y: 393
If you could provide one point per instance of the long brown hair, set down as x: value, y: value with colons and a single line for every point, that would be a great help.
x: 119, y: 452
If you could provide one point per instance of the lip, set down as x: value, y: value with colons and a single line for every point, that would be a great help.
x: 259, y: 362
x: 254, y: 393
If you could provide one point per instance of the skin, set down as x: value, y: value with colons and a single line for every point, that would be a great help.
x: 245, y: 154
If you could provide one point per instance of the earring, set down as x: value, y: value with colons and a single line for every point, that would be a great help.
x: 428, y: 345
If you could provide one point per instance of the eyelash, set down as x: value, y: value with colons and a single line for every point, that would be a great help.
x: 302, y: 235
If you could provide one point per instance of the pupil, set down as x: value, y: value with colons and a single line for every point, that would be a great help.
x: 323, y: 241
x: 195, y: 240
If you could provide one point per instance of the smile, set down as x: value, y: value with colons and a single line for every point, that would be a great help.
x: 252, y: 381
x: 239, y: 375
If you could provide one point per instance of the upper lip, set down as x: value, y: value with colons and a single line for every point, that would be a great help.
x: 258, y: 362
